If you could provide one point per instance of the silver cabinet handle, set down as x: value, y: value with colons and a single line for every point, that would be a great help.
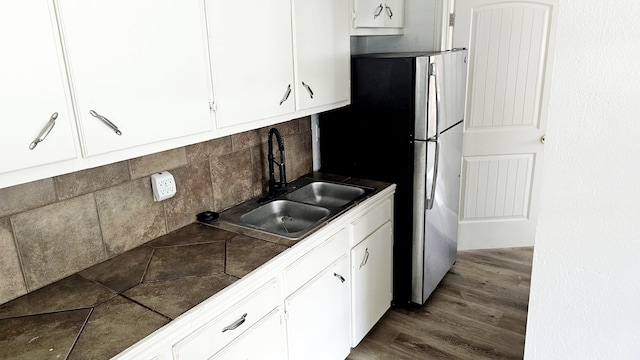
x: 106, y: 121
x: 339, y: 277
x: 234, y: 325
x: 308, y: 89
x: 389, y: 12
x: 45, y: 131
x: 286, y: 94
x: 543, y: 139
x: 378, y: 11
x: 365, y: 259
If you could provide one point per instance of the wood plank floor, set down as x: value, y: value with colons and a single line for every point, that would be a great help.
x: 479, y: 311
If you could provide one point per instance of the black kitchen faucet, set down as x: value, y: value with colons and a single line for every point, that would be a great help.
x: 276, y: 188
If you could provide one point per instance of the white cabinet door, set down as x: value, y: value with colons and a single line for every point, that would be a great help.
x: 318, y: 316
x: 32, y: 89
x: 371, y: 17
x: 141, y: 64
x: 394, y: 14
x: 263, y: 341
x: 368, y: 13
x: 322, y: 52
x: 371, y: 273
x: 252, y: 60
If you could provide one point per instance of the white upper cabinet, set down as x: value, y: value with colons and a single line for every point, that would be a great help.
x: 252, y: 62
x: 33, y: 88
x: 143, y: 65
x: 322, y: 52
x: 377, y: 17
x: 277, y: 60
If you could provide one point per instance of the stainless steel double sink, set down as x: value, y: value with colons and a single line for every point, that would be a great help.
x: 305, y: 206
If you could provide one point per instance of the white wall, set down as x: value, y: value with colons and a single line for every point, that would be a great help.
x: 585, y: 289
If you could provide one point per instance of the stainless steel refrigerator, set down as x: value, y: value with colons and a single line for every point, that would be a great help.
x: 404, y: 125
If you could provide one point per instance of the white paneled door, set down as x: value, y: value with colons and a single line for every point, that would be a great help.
x: 510, y: 54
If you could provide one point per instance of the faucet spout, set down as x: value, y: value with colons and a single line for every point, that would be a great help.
x: 282, y: 184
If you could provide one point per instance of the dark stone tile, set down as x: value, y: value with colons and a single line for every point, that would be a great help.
x: 122, y: 272
x: 261, y: 168
x: 174, y: 297
x: 194, y: 195
x: 204, y: 150
x: 191, y: 234
x: 232, y: 176
x: 178, y: 262
x: 90, y: 180
x: 300, y: 160
x: 247, y: 139
x: 128, y: 216
x: 244, y: 254
x: 113, y: 326
x: 156, y: 162
x: 58, y: 240
x: 47, y: 336
x: 71, y: 293
x: 305, y: 124
x: 11, y: 277
x: 19, y: 198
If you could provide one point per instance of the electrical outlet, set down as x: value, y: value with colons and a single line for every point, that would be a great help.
x: 163, y: 185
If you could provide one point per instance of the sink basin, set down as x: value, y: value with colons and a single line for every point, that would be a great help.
x: 326, y: 194
x: 285, y: 218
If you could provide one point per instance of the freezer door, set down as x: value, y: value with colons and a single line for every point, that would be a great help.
x: 450, y: 71
x: 440, y: 86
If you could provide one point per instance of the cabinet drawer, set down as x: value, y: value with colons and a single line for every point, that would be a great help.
x: 370, y: 221
x: 213, y: 336
x: 310, y: 264
x: 264, y: 341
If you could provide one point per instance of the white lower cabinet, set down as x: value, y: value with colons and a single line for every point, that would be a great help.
x: 263, y: 341
x: 313, y: 301
x: 318, y: 315
x: 371, y: 273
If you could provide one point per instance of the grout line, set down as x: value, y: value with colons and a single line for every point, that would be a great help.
x: 146, y: 268
x: 84, y: 325
x: 19, y: 254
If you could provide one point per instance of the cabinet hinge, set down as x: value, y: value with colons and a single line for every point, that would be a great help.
x: 212, y: 106
x: 452, y: 19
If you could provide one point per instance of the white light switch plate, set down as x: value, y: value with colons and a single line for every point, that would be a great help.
x: 163, y: 185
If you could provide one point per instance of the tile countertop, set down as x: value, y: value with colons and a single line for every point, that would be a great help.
x: 98, y: 312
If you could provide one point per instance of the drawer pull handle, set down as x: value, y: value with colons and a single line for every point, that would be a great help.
x: 308, y: 89
x: 365, y: 259
x: 106, y: 121
x: 45, y: 131
x: 339, y: 277
x: 236, y: 323
x: 286, y: 94
x: 378, y: 11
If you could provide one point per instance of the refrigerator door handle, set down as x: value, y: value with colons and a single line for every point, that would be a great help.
x: 435, y: 92
x: 436, y: 160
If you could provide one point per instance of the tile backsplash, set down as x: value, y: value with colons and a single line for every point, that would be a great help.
x: 54, y: 227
